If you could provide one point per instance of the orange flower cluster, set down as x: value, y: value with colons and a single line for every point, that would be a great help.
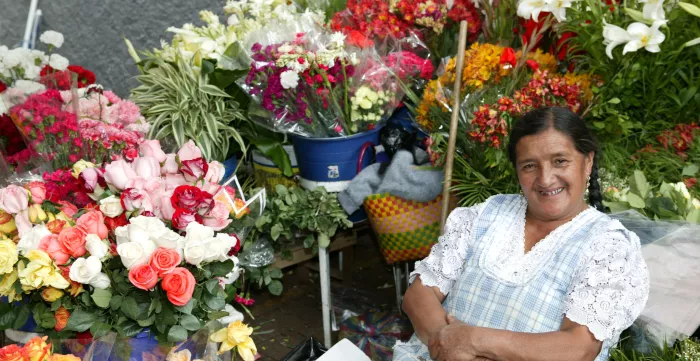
x: 35, y: 350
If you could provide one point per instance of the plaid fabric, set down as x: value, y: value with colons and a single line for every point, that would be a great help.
x: 406, y: 230
x: 480, y: 299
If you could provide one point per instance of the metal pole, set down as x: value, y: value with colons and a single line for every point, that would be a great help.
x: 30, y: 24
x: 325, y: 274
x: 452, y: 141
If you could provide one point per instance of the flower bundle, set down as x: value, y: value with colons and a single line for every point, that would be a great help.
x: 37, y: 349
x: 431, y: 14
x: 154, y: 241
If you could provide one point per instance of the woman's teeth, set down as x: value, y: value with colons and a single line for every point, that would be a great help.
x: 552, y: 193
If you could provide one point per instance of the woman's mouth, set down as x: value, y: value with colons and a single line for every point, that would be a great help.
x: 552, y: 192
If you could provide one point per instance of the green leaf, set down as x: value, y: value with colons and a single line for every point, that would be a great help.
x: 274, y: 150
x: 177, y: 334
x: 690, y: 8
x: 99, y: 329
x: 275, y: 273
x: 130, y: 308
x: 190, y: 322
x: 690, y: 170
x: 102, y: 298
x: 635, y: 201
x: 128, y: 328
x: 212, y: 286
x: 693, y: 216
x: 22, y: 316
x: 147, y: 322
x: 80, y: 320
x: 614, y: 101
x: 323, y: 240
x: 638, y: 16
x: 55, y: 305
x: 639, y: 184
x: 235, y: 58
x: 275, y: 231
x: 216, y: 303
x: 187, y: 309
x: 7, y: 316
x: 275, y: 287
x: 309, y: 241
x: 116, y: 302
x: 212, y: 90
x: 221, y: 269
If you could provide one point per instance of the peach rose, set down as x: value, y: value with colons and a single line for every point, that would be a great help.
x: 143, y: 277
x: 93, y: 222
x: 73, y: 240
x: 179, y: 286
x: 37, y: 349
x: 62, y: 315
x: 164, y: 261
x: 12, y: 353
x: 55, y: 249
x: 56, y: 226
x: 37, y: 190
x: 68, y: 209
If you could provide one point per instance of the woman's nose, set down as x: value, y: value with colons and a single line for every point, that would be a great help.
x: 545, y: 176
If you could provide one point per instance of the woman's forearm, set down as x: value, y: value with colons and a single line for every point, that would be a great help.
x: 575, y: 344
x: 424, y: 307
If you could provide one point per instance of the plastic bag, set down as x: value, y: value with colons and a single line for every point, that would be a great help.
x: 309, y: 350
x: 671, y: 250
x: 376, y: 333
x: 260, y: 254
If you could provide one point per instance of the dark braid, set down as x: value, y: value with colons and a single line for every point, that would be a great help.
x: 595, y: 197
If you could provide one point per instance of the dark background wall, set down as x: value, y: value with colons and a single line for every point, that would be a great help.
x: 94, y: 30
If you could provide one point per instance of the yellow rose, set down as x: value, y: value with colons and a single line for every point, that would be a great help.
x: 41, y: 272
x: 7, y: 223
x: 79, y: 166
x: 37, y: 349
x: 52, y: 217
x: 37, y: 214
x: 7, y: 287
x: 64, y: 217
x: 51, y: 294
x: 237, y: 335
x: 8, y: 256
x: 63, y: 358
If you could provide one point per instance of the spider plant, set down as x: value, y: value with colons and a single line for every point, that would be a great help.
x: 180, y: 103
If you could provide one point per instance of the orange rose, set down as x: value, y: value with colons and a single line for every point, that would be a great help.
x: 143, y: 277
x: 164, y: 261
x: 73, y: 240
x: 12, y: 353
x: 62, y: 315
x: 179, y: 286
x: 37, y: 349
x: 93, y: 222
x: 243, y: 210
x: 75, y: 287
x: 56, y: 226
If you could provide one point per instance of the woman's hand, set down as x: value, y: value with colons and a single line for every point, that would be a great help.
x: 454, y: 342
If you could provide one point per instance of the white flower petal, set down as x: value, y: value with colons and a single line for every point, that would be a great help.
x: 632, y: 46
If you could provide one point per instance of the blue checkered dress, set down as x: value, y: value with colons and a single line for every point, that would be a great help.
x: 535, y: 304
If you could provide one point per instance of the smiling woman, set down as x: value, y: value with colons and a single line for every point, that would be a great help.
x: 537, y: 276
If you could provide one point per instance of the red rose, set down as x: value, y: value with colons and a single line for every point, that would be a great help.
x: 90, y: 178
x: 183, y: 217
x: 84, y: 338
x: 179, y: 286
x: 194, y: 169
x: 532, y: 64
x: 164, y: 261
x: 2, y: 87
x: 235, y: 249
x: 206, y: 203
x: 508, y: 57
x: 143, y: 277
x: 186, y: 197
x: 114, y: 223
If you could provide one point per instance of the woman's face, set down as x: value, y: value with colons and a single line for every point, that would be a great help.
x: 552, y: 174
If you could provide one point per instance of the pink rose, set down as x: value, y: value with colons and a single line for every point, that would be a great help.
x: 183, y: 217
x: 215, y: 173
x: 22, y: 222
x: 138, y: 183
x: 134, y: 199
x: 118, y: 174
x: 55, y: 249
x: 170, y: 165
x: 73, y: 241
x: 93, y: 222
x: 194, y: 169
x: 146, y: 167
x: 175, y: 180
x: 211, y: 188
x: 14, y: 199
x: 68, y: 209
x: 217, y: 218
x: 189, y: 151
x: 38, y: 191
x: 92, y: 181
x: 151, y: 148
x: 166, y: 208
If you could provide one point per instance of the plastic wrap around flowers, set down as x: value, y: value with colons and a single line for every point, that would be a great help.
x: 154, y: 239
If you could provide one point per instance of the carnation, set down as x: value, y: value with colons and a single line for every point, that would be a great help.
x: 28, y: 86
x: 58, y: 62
x: 53, y: 38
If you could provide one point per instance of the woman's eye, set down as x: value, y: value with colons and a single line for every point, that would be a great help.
x: 528, y: 166
x: 561, y: 161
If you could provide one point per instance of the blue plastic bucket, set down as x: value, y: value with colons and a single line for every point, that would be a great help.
x: 333, y: 162
x: 229, y: 168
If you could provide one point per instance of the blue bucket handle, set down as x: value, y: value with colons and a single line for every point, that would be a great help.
x: 362, y: 154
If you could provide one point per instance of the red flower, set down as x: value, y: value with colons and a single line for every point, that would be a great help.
x: 194, y: 169
x: 133, y: 199
x: 532, y: 27
x: 183, y: 217
x: 563, y: 45
x: 358, y: 39
x: 235, y: 249
x: 532, y: 64
x: 2, y: 87
x: 84, y: 338
x: 690, y: 182
x: 508, y: 57
x: 187, y: 197
x: 116, y: 222
x: 85, y: 77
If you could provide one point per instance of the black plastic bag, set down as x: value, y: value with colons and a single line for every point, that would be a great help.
x: 309, y: 350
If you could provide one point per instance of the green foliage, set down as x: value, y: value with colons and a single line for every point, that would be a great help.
x: 686, y: 350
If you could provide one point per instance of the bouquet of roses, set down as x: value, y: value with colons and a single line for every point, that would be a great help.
x: 155, y: 241
x: 35, y: 349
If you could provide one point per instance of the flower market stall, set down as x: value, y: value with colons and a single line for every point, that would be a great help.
x: 142, y: 226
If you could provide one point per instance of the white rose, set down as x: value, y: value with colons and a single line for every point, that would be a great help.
x: 122, y: 234
x: 289, y: 79
x: 135, y: 253
x: 219, y: 247
x: 111, y: 206
x: 169, y: 239
x: 233, y: 316
x: 198, y: 233
x: 138, y: 234
x: 58, y: 62
x: 234, y: 274
x: 95, y: 246
x: 52, y: 38
x: 195, y: 252
x: 84, y: 270
x: 100, y: 281
x: 30, y: 240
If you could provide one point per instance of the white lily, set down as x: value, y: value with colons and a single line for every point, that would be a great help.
x: 558, y: 8
x: 653, y: 9
x: 613, y: 36
x: 531, y: 8
x: 645, y: 37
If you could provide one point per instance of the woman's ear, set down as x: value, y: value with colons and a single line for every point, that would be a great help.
x: 588, y: 158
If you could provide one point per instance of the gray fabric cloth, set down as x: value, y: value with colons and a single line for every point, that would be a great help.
x: 403, y: 178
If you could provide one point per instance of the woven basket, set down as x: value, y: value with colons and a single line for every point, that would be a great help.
x: 406, y: 230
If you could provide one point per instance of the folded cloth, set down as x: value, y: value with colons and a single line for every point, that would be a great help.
x: 403, y: 178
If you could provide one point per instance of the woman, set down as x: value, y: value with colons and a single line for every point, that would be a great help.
x: 536, y: 276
